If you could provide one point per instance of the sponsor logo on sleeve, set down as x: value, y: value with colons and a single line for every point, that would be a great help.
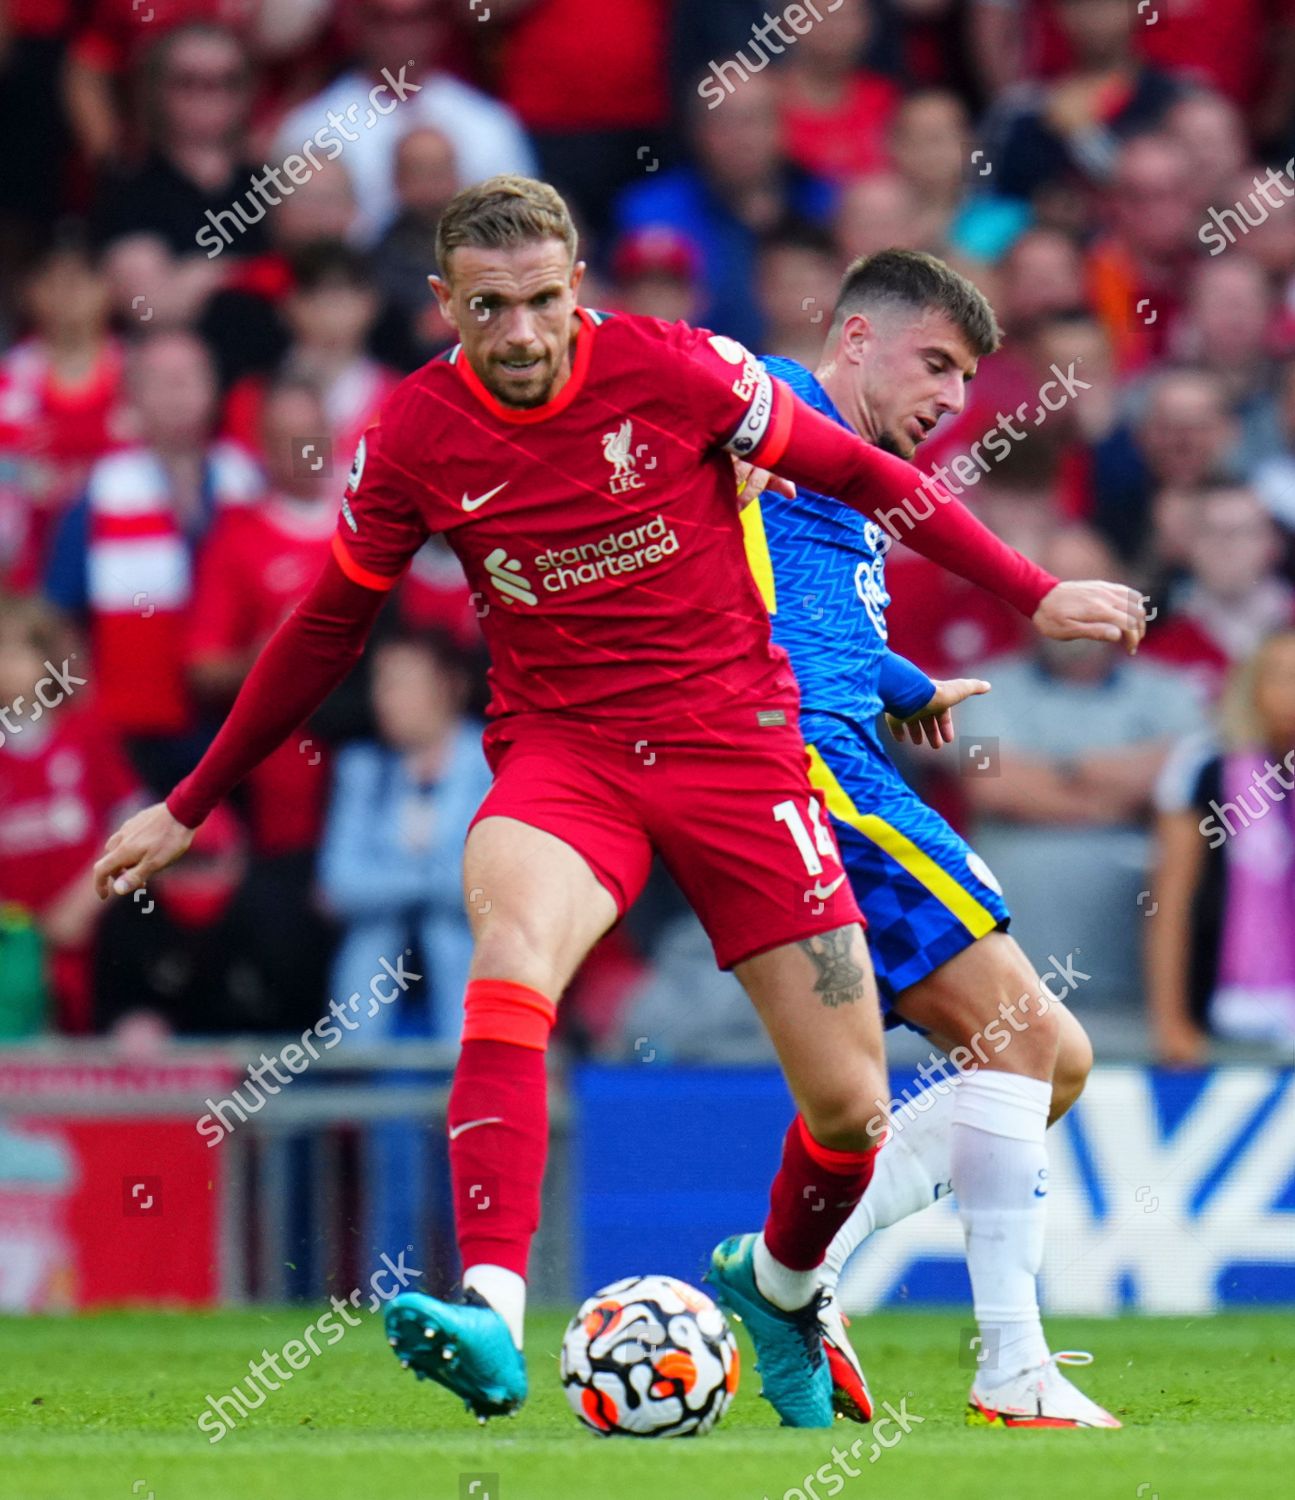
x: 752, y: 385
x: 753, y: 426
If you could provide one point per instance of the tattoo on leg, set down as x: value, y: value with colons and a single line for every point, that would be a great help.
x: 840, y: 979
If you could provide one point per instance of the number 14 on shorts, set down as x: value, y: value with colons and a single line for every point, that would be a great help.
x: 811, y: 849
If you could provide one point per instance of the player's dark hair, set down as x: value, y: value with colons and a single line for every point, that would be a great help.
x: 501, y: 213
x: 921, y: 282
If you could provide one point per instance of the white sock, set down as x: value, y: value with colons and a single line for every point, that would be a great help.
x: 784, y: 1287
x: 504, y: 1290
x: 911, y: 1172
x: 999, y: 1167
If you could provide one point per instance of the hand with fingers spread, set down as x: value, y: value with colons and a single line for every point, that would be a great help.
x: 752, y: 483
x: 143, y: 845
x: 1091, y: 610
x: 933, y: 724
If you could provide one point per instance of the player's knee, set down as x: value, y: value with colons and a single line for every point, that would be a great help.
x: 854, y: 1121
x: 504, y: 949
x: 1074, y: 1064
x: 1023, y: 1037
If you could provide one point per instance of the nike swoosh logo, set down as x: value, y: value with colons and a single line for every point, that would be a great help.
x: 458, y: 1130
x: 822, y: 892
x: 476, y: 504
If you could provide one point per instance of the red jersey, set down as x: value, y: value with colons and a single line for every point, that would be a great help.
x: 599, y: 532
x: 256, y: 564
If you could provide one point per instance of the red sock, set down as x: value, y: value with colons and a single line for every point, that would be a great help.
x: 815, y: 1192
x: 499, y: 1122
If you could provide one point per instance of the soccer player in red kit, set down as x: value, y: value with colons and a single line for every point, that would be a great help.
x: 579, y: 466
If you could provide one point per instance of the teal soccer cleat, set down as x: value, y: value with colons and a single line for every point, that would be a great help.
x: 788, y: 1345
x: 464, y: 1346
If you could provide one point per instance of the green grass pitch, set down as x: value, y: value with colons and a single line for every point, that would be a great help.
x: 104, y: 1408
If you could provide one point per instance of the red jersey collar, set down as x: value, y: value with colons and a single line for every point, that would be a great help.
x: 522, y: 414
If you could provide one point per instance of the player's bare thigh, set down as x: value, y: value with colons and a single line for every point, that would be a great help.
x: 535, y: 906
x: 987, y: 999
x: 818, y: 1001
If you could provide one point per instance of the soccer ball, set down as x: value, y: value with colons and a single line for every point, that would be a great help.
x: 649, y: 1357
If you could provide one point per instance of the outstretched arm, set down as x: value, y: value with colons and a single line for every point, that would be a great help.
x: 807, y: 448
x: 315, y: 647
x: 919, y: 706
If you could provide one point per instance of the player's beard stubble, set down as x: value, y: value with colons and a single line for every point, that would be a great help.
x: 534, y: 390
x: 889, y: 443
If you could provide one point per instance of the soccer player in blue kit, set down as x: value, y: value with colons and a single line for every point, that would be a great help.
x: 907, y: 334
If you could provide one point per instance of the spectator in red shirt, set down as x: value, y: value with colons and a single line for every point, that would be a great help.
x: 257, y: 562
x: 63, y: 784
x: 835, y: 111
x: 62, y: 404
x: 1233, y: 597
x: 122, y: 557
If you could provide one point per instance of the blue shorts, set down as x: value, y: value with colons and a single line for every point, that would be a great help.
x: 925, y: 892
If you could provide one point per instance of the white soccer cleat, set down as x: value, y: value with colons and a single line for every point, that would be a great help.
x: 1038, y: 1397
x: 851, y: 1397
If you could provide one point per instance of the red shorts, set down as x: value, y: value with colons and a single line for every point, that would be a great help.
x: 728, y: 807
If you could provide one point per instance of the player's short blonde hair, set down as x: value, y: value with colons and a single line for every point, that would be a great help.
x: 502, y: 212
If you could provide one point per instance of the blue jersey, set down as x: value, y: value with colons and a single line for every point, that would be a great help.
x: 822, y: 569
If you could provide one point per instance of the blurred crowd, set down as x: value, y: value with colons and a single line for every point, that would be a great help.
x: 216, y: 222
